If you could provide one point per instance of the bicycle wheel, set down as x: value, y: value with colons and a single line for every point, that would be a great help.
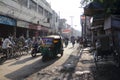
x: 17, y: 54
x: 95, y: 59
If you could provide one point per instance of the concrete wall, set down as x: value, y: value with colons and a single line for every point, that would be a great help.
x: 55, y: 22
x: 15, y: 10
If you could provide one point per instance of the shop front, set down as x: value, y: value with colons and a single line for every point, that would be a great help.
x: 22, y: 28
x: 7, y: 26
x: 37, y: 30
x: 33, y: 30
x: 44, y: 31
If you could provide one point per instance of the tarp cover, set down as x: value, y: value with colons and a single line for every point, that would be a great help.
x: 115, y: 21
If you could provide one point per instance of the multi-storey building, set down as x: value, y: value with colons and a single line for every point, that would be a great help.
x: 27, y: 17
x: 55, y: 22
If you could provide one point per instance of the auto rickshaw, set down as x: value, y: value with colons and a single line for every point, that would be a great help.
x: 52, y: 46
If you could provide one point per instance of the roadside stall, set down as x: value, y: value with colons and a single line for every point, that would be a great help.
x: 112, y: 27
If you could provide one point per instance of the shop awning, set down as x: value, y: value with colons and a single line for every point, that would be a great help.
x: 93, y: 8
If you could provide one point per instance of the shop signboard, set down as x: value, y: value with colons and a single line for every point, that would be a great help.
x: 33, y: 26
x: 66, y: 31
x: 22, y: 24
x: 39, y: 27
x: 7, y: 21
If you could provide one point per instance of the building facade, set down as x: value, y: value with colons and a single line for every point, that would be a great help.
x: 55, y: 22
x: 27, y: 17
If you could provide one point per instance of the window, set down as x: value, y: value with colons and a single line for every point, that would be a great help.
x: 15, y: 0
x: 56, y: 19
x: 46, y: 13
x: 40, y: 10
x: 23, y: 2
x: 33, y: 5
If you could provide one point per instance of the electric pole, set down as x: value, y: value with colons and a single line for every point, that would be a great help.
x: 71, y: 17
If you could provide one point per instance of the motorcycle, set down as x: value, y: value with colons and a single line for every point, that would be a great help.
x: 35, y: 50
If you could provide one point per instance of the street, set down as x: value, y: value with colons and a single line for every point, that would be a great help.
x: 76, y: 64
x: 19, y: 69
x: 79, y: 65
x: 28, y: 27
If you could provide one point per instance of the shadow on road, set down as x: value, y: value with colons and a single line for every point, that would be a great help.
x: 70, y: 64
x: 24, y: 60
x: 6, y: 61
x: 30, y: 69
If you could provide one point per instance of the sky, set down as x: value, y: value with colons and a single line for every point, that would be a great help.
x: 67, y: 9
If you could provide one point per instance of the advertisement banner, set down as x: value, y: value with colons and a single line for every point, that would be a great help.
x: 33, y: 26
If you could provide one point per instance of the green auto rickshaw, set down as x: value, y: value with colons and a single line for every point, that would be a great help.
x: 51, y: 47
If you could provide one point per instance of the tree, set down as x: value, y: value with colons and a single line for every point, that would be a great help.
x: 85, y: 2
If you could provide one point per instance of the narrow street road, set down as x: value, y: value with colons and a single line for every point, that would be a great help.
x: 75, y: 64
x: 27, y: 66
x: 79, y: 65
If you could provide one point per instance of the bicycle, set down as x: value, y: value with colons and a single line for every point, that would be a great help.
x: 16, y: 52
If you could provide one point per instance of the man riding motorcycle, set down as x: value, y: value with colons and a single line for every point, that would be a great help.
x: 36, y: 46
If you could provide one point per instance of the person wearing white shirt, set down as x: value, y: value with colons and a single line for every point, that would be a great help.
x: 6, y: 45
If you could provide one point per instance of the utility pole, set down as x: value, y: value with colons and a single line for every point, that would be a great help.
x: 71, y: 17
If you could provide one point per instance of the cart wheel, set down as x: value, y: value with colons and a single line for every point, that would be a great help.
x: 117, y: 63
x: 33, y: 53
x: 117, y: 59
x: 61, y: 53
x: 44, y: 58
x: 95, y: 59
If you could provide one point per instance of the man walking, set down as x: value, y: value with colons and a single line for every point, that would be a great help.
x: 73, y: 40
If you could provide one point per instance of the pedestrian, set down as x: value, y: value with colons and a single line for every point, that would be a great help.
x: 66, y: 40
x: 73, y: 40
